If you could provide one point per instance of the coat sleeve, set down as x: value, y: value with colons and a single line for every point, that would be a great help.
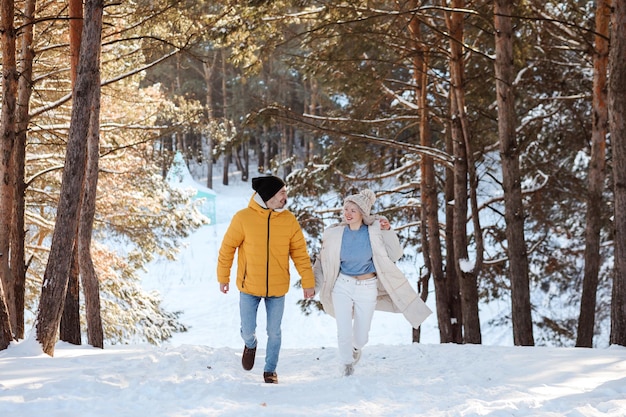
x: 232, y: 240
x: 301, y: 259
x: 392, y: 244
x: 318, y: 272
x: 328, y: 262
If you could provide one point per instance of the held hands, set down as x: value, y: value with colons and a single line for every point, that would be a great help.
x: 308, y: 293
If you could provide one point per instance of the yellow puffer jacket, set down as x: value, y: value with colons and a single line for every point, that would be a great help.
x: 265, y: 240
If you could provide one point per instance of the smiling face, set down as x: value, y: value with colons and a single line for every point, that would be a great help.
x: 278, y: 201
x: 352, y: 215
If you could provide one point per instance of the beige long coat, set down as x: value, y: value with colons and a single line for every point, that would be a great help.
x: 395, y: 293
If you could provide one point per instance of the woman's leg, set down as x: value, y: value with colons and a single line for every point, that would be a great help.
x: 365, y: 296
x: 343, y: 304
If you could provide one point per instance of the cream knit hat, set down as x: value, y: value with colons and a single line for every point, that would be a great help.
x: 364, y: 201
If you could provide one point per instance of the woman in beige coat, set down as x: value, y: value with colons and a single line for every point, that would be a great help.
x: 356, y: 274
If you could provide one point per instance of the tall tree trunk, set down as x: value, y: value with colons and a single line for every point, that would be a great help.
x: 207, y: 72
x: 617, y: 123
x: 314, y: 110
x: 242, y: 148
x: 509, y: 153
x: 226, y: 162
x: 463, y: 161
x: 89, y: 279
x: 286, y: 141
x: 228, y: 154
x: 467, y: 280
x: 6, y: 336
x: 7, y: 170
x: 291, y: 145
x: 245, y: 174
x: 69, y: 329
x: 76, y: 28
x: 18, y: 234
x: 237, y: 158
x: 70, y: 318
x: 56, y: 274
x: 262, y: 156
x: 431, y: 243
x: 597, y: 174
x: 453, y: 281
x: 209, y: 161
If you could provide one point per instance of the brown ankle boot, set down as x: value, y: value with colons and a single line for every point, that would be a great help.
x: 247, y: 360
x: 270, y: 377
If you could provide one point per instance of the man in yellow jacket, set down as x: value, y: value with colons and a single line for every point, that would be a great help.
x: 266, y: 235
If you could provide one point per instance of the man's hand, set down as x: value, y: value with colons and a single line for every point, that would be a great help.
x: 224, y: 288
x: 308, y: 292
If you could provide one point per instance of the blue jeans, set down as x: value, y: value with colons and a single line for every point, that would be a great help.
x: 274, y: 307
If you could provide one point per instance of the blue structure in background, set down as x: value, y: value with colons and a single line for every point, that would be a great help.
x: 180, y: 177
x: 208, y: 205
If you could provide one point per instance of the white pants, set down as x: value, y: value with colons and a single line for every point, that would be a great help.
x: 354, y: 301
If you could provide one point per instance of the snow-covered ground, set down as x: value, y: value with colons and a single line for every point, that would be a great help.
x: 403, y: 380
x: 198, y: 373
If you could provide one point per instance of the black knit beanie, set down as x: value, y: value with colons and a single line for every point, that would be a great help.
x: 268, y: 186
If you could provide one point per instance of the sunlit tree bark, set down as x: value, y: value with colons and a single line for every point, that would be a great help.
x: 89, y: 278
x: 69, y: 330
x: 597, y: 177
x: 463, y: 179
x: 617, y: 124
x: 509, y: 153
x: 24, y: 92
x: 56, y: 275
x: 7, y: 171
x: 453, y: 287
x: 431, y: 243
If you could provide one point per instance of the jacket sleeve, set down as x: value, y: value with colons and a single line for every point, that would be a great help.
x: 232, y: 240
x: 301, y: 259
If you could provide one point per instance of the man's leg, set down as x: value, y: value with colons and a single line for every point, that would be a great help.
x: 274, y: 306
x: 248, y: 307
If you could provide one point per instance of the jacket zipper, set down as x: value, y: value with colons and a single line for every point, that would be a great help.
x: 267, y: 257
